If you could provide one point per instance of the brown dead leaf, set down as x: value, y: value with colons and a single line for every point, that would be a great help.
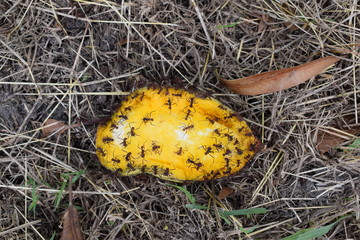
x: 52, y: 126
x: 331, y: 137
x: 225, y: 192
x: 71, y: 225
x: 278, y: 80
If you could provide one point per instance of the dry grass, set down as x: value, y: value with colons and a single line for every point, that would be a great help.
x: 72, y: 61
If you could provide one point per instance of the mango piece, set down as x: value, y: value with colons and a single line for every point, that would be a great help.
x: 174, y: 135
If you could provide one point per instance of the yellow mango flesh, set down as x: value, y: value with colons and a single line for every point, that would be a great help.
x: 174, y: 135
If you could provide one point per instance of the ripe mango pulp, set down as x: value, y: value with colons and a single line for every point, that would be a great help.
x: 175, y: 135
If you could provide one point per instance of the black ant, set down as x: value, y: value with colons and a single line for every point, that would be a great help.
x: 167, y: 172
x: 228, y: 171
x: 101, y: 151
x: 135, y: 96
x: 222, y: 107
x: 238, y: 150
x: 238, y: 163
x: 192, y: 102
x: 227, y: 152
x: 236, y: 142
x: 128, y: 156
x: 187, y: 114
x: 217, y: 132
x: 113, y: 126
x: 240, y: 129
x: 148, y: 118
x: 129, y: 165
x: 227, y: 161
x: 155, y: 148
x: 142, y: 153
x: 143, y: 168
x: 132, y: 131
x: 127, y: 109
x: 180, y: 151
x: 155, y: 169
x: 168, y: 102
x: 177, y: 94
x: 107, y: 139
x: 208, y: 150
x: 188, y: 127
x: 212, y: 121
x: 115, y: 160
x: 253, y: 147
x: 124, y: 117
x: 230, y: 138
x: 197, y: 164
x: 230, y: 116
x: 124, y: 143
x: 217, y: 146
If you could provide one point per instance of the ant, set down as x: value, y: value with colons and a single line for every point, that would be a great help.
x: 253, y: 147
x: 132, y: 131
x: 142, y: 153
x: 228, y: 171
x: 238, y: 163
x: 155, y: 169
x: 197, y: 164
x: 180, y: 151
x: 217, y: 132
x: 230, y: 138
x: 238, y: 150
x: 212, y: 121
x: 113, y: 126
x: 222, y: 107
x: 208, y: 150
x: 230, y: 116
x: 167, y: 172
x: 240, y: 129
x: 249, y: 134
x: 168, y: 102
x: 129, y: 165
x: 107, y: 139
x: 148, y: 118
x: 177, y: 94
x: 192, y: 102
x: 123, y: 117
x: 128, y: 109
x: 227, y: 152
x: 115, y: 160
x: 128, y: 156
x: 217, y: 146
x: 236, y: 142
x: 188, y: 128
x: 227, y: 161
x: 187, y: 114
x: 124, y: 143
x: 155, y: 148
x: 135, y: 96
x: 143, y: 168
x: 101, y: 151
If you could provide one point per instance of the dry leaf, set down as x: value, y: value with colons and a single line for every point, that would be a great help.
x: 273, y: 81
x: 225, y: 192
x: 52, y: 126
x: 71, y: 225
x: 327, y: 139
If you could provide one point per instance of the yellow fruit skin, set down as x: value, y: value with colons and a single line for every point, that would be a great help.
x: 174, y: 135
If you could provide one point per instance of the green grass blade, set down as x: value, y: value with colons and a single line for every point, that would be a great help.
x: 186, y: 192
x: 311, y: 233
x: 245, y: 211
x: 355, y: 144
